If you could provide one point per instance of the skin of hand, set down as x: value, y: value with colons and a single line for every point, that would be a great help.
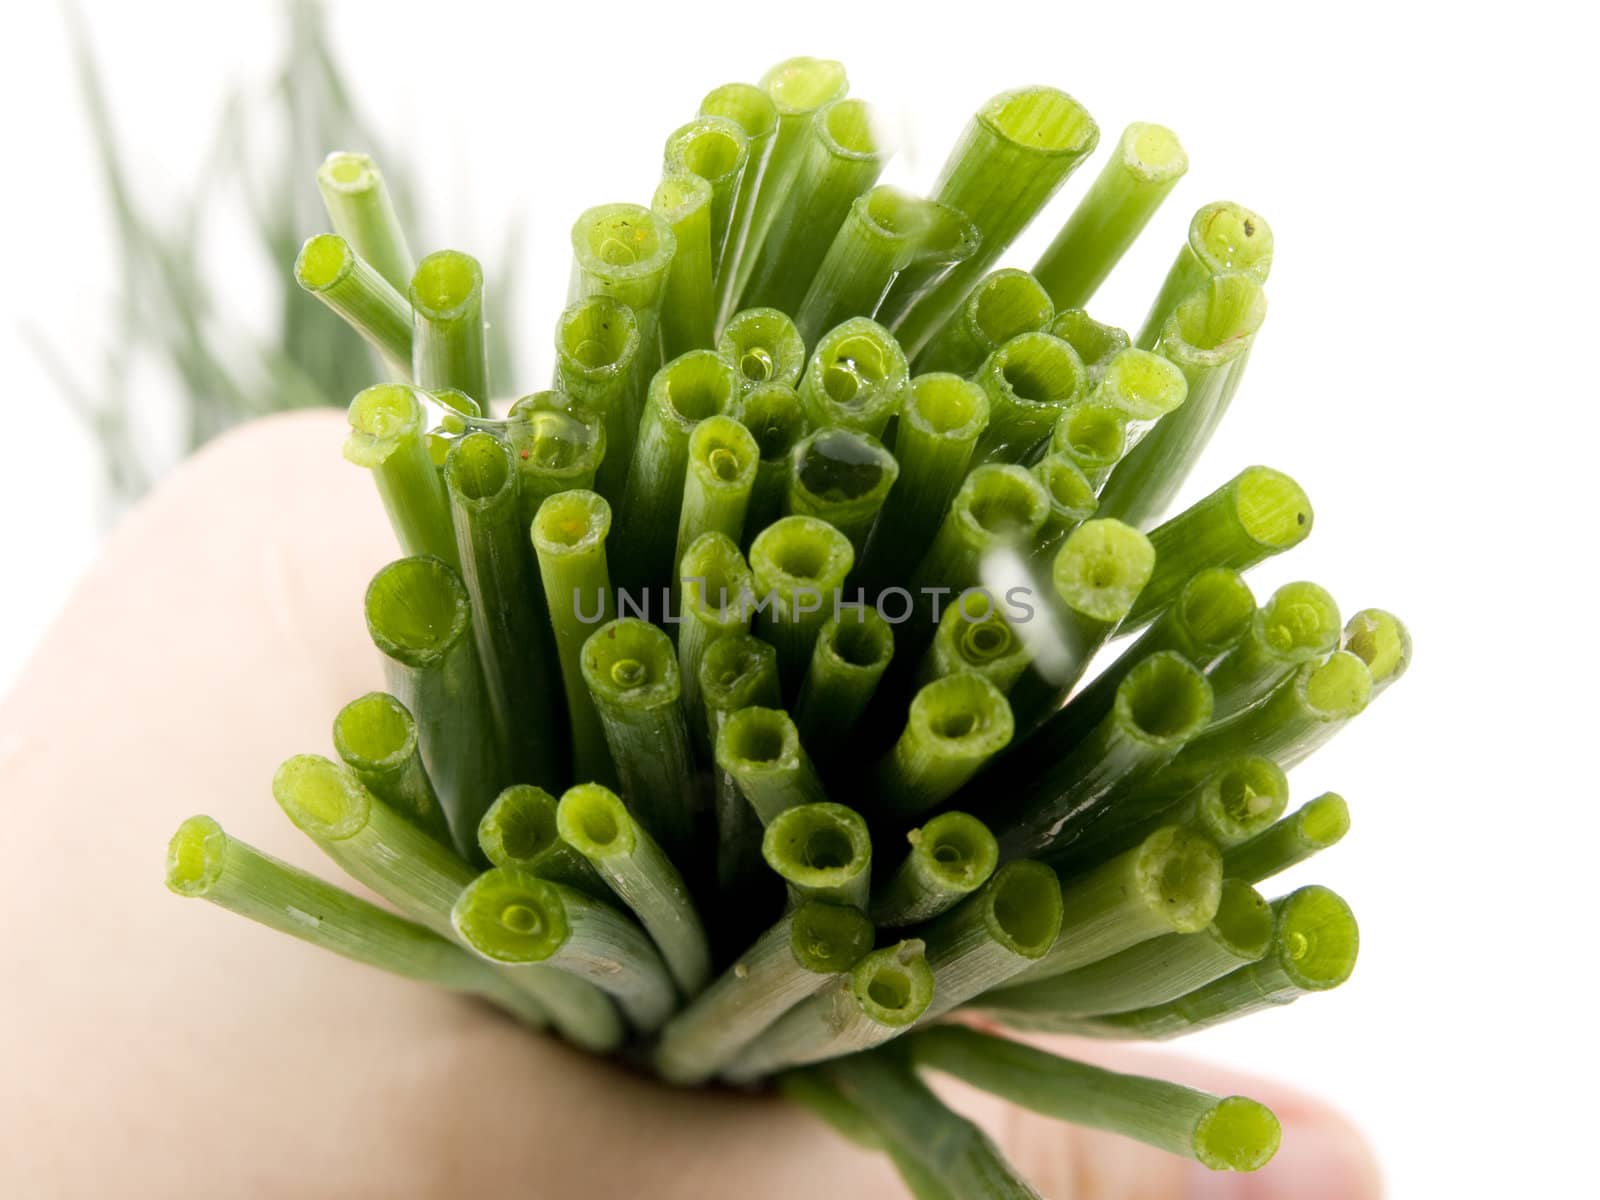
x: 157, y: 1047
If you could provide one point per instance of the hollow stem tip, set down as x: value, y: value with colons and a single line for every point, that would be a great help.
x: 387, y: 436
x: 799, y: 564
x: 822, y: 851
x: 359, y: 205
x: 376, y: 737
x: 623, y: 251
x: 842, y: 477
x: 1315, y: 826
x: 1097, y: 344
x: 449, y: 346
x: 951, y: 856
x: 955, y: 725
x: 848, y: 661
x: 1004, y: 304
x: 760, y: 748
x: 1030, y: 381
x: 856, y: 378
x: 1380, y: 640
x: 329, y: 268
x: 765, y: 347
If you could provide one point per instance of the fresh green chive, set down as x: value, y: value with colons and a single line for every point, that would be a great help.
x: 1004, y: 305
x: 951, y: 857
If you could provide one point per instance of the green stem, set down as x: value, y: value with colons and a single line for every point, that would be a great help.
x: 761, y: 749
x: 420, y: 617
x: 1379, y: 639
x: 688, y: 307
x: 752, y: 110
x: 376, y: 737
x: 632, y: 673
x: 1005, y: 304
x: 204, y: 862
x: 362, y: 212
x: 951, y: 857
x: 717, y: 149
x: 625, y: 251
x: 998, y: 506
x: 809, y: 947
x: 974, y: 636
x: 810, y: 1088
x: 848, y: 660
x: 1030, y: 381
x: 1092, y: 436
x: 388, y: 436
x: 764, y: 346
x: 1314, y: 826
x: 569, y: 538
x: 799, y: 564
x: 841, y: 477
x: 950, y: 238
x: 1231, y: 1134
x: 1072, y: 501
x: 331, y: 271
x: 1256, y: 514
x: 1013, y: 156
x: 1300, y: 622
x: 519, y: 830
x: 450, y: 424
x: 1223, y: 237
x: 1145, y: 166
x: 597, y: 342
x: 856, y: 379
x: 736, y: 672
x: 955, y: 725
x: 717, y: 594
x: 448, y: 344
x: 1096, y: 344
x: 774, y: 414
x: 593, y: 821
x: 822, y: 851
x: 559, y: 443
x: 723, y: 460
x: 1148, y: 973
x: 1208, y: 337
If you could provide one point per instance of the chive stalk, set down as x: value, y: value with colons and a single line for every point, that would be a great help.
x: 419, y: 615
x: 799, y: 564
x: 448, y: 344
x: 1093, y: 437
x: 1142, y: 385
x: 1072, y: 501
x: 974, y: 636
x: 852, y: 651
x: 510, y: 916
x: 1223, y: 237
x: 509, y: 621
x: 752, y: 110
x: 809, y: 947
x: 1005, y: 304
x: 1030, y: 381
x: 1225, y: 1134
x: 760, y: 748
x: 810, y: 1088
x: 765, y: 347
x: 520, y: 830
x: 593, y: 821
x: 1298, y: 623
x: 1142, y: 170
x: 569, y: 538
x: 841, y: 477
x: 998, y: 505
x: 388, y: 437
x: 774, y: 414
x: 205, y: 862
x: 716, y: 603
x: 376, y: 737
x: 1255, y: 515
x: 597, y: 341
x: 625, y: 251
x: 329, y: 269
x: 688, y: 308
x: 1013, y: 156
x: 1314, y: 826
x: 632, y: 673
x: 717, y: 149
x: 736, y: 671
x: 955, y: 725
x: 951, y: 857
x: 559, y: 445
x: 1208, y: 337
x: 1149, y: 973
x: 949, y: 239
x: 1237, y: 802
x: 1097, y: 344
x: 723, y: 459
x: 1379, y: 639
x: 362, y: 212
x: 856, y: 379
x: 822, y: 851
x: 884, y: 995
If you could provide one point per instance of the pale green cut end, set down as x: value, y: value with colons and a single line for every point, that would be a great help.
x: 1164, y: 701
x: 348, y: 173
x: 850, y: 129
x: 841, y: 466
x: 961, y: 716
x: 595, y: 822
x: 375, y: 733
x: 746, y: 105
x: 1043, y: 120
x: 511, y: 916
x: 379, y: 417
x: 1143, y: 385
x: 1273, y: 509
x: 1072, y: 496
x: 1216, y: 324
x: 1097, y: 344
x: 979, y: 634
x: 571, y: 522
x: 764, y: 345
x: 828, y: 939
x: 773, y: 413
x: 1022, y: 908
x: 692, y: 387
x: 1229, y: 237
x: 1340, y: 687
x: 323, y: 261
x: 1038, y: 368
x: 417, y: 609
x: 1002, y: 501
x: 629, y: 661
x: 195, y: 856
x: 733, y: 671
x: 597, y: 338
x: 860, y: 366
x: 800, y: 85
x: 1152, y: 153
x: 1244, y: 920
x: 1299, y: 621
x: 1239, y: 1134
x: 1317, y: 938
x: 479, y: 468
x: 894, y: 985
x: 519, y: 827
x: 958, y: 849
x: 723, y: 453
x: 554, y: 435
x: 1324, y: 821
x: 818, y: 846
x: 680, y: 195
x: 1179, y: 874
x: 622, y: 241
x: 324, y: 799
x: 1215, y: 606
x: 1244, y: 797
x: 1091, y: 434
x: 946, y: 406
x: 896, y: 214
x: 716, y: 582
x: 446, y: 283
x: 1101, y: 568
x: 800, y: 552
x: 1008, y: 303
x: 858, y: 638
x: 712, y: 147
x: 1380, y: 640
x: 758, y: 741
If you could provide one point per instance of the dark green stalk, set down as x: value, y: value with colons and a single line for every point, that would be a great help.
x: 376, y: 736
x: 329, y: 269
x: 951, y: 857
x: 717, y: 600
x: 799, y: 564
x: 856, y: 379
x: 736, y: 671
x: 1030, y: 382
x: 752, y: 110
x: 362, y: 212
x: 1378, y: 639
x: 1095, y: 343
x: 811, y: 1088
x: 1092, y: 436
x: 1223, y: 237
x: 1300, y: 622
x: 688, y: 307
x: 848, y: 660
x: 1005, y: 304
x: 761, y: 749
x: 973, y: 635
x: 519, y: 830
x: 841, y: 477
x: 822, y: 851
x: 955, y: 725
x: 765, y: 347
x: 717, y: 149
x: 388, y: 436
x: 1314, y: 826
x: 723, y: 460
x: 774, y: 414
x: 597, y: 341
x: 448, y: 346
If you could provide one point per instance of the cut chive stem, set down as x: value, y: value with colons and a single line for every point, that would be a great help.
x: 1225, y: 1134
x: 752, y: 110
x: 950, y: 239
x: 998, y: 506
x: 1030, y: 381
x: 204, y: 862
x: 624, y: 252
x: 723, y: 460
x: 597, y: 342
x: 774, y: 414
x: 1314, y: 826
x: 593, y: 821
x: 688, y: 308
x: 1298, y: 623
x: 1093, y: 437
x: 632, y: 673
x: 1097, y: 344
x: 811, y: 1088
x: 822, y: 851
x: 1223, y: 237
x: 807, y: 949
x: 559, y: 445
x: 388, y: 436
x: 520, y: 830
x: 1145, y: 166
x: 376, y: 737
x: 1072, y: 501
x: 955, y: 725
x: 1004, y: 305
x: 764, y: 346
x: 1379, y: 639
x: 717, y: 595
x: 736, y: 671
x: 841, y: 477
x: 761, y: 749
x: 362, y: 212
x: 951, y: 857
x: 569, y: 538
x: 448, y: 344
x: 715, y: 148
x: 329, y: 269
x: 799, y: 564
x: 848, y: 661
x: 1141, y: 385
x: 856, y: 379
x: 973, y: 636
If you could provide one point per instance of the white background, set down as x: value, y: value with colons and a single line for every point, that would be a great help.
x: 1425, y: 372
